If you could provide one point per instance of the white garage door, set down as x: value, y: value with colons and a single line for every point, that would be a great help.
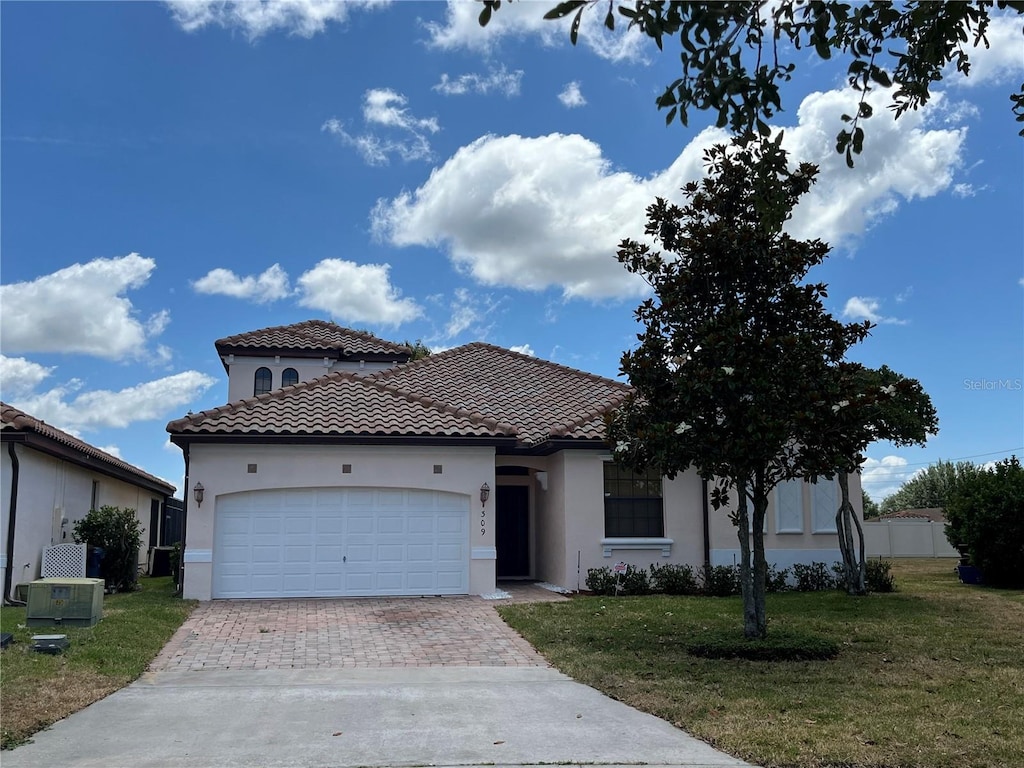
x: 332, y: 542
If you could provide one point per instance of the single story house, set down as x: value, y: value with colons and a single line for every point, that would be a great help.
x: 342, y: 468
x: 50, y: 481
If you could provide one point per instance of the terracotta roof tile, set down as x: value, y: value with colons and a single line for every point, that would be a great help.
x: 14, y: 420
x: 542, y: 399
x: 342, y: 403
x: 311, y: 335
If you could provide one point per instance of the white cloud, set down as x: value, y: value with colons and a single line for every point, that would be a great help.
x: 571, y: 96
x: 499, y: 80
x: 548, y: 211
x: 113, y: 450
x: 1002, y: 61
x: 523, y: 349
x: 80, y: 309
x: 385, y: 108
x: 533, y: 213
x: 259, y: 17
x: 270, y: 285
x: 468, y: 311
x: 865, y: 308
x: 19, y: 376
x: 66, y: 410
x: 461, y: 30
x: 360, y: 293
x: 883, y: 477
x: 903, y: 159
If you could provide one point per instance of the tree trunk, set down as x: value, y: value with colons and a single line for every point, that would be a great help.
x: 750, y: 626
x: 760, y: 563
x: 854, y: 568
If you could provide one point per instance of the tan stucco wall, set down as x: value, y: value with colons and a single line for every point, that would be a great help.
x: 783, y: 549
x: 242, y: 371
x: 50, y: 489
x: 223, y: 469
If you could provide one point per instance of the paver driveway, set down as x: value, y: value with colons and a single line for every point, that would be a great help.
x: 337, y: 633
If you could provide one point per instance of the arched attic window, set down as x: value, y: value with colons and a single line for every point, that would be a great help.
x: 263, y: 381
x: 289, y: 377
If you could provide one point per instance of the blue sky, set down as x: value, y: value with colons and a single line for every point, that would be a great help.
x: 176, y: 173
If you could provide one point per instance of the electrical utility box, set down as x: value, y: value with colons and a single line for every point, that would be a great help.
x: 65, y: 602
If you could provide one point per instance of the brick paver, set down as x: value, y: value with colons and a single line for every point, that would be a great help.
x: 363, y: 632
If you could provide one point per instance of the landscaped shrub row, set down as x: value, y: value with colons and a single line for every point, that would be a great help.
x: 724, y: 580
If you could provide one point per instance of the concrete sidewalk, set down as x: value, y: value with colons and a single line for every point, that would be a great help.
x: 388, y: 716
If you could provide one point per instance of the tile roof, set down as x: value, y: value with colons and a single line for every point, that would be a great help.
x: 934, y: 514
x: 310, y: 336
x: 13, y: 420
x: 342, y: 403
x: 474, y: 390
x: 542, y: 399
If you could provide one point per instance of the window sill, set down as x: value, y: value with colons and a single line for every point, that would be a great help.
x: 640, y: 542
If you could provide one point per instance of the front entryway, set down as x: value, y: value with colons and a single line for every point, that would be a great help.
x: 512, y: 531
x: 341, y: 542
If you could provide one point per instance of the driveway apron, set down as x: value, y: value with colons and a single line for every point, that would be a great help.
x: 358, y: 682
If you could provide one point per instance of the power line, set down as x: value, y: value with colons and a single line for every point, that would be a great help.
x: 882, y: 470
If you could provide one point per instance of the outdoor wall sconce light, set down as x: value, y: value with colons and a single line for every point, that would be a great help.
x: 485, y: 493
x: 198, y: 491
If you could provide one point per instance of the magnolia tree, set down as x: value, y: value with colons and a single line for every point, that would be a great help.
x: 736, y: 55
x: 740, y: 372
x: 859, y: 406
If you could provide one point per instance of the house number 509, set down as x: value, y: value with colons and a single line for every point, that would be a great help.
x: 483, y: 522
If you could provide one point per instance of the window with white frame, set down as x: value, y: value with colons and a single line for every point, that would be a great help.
x: 824, y: 503
x: 632, y: 503
x: 262, y: 381
x: 789, y: 507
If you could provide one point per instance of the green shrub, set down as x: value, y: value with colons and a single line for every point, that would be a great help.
x: 635, y: 581
x: 816, y: 577
x: 777, y: 646
x: 877, y: 577
x: 674, y: 579
x: 720, y: 580
x: 601, y: 581
x: 986, y: 515
x: 117, y: 531
x: 776, y: 580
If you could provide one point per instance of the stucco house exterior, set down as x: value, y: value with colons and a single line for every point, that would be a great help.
x: 341, y: 468
x: 50, y: 481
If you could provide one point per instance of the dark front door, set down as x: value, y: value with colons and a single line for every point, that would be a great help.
x: 512, y: 531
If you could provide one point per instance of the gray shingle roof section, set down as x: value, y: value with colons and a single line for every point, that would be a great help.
x: 310, y: 336
x: 14, y: 420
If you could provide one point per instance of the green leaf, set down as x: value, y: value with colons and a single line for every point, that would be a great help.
x: 485, y: 16
x: 670, y: 116
x: 564, y: 9
x: 575, y: 30
x: 609, y: 20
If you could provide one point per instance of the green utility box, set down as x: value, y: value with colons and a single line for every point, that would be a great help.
x: 65, y: 602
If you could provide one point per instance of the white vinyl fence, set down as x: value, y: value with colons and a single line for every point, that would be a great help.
x: 907, y: 538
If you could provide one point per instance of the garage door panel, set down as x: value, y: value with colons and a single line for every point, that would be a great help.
x: 421, y: 523
x: 330, y: 542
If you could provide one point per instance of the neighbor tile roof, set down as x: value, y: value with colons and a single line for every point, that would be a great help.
x: 934, y: 514
x: 13, y: 420
x: 474, y: 390
x: 342, y: 403
x: 311, y: 335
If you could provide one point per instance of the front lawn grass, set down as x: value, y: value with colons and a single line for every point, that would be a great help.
x: 37, y: 689
x: 931, y: 676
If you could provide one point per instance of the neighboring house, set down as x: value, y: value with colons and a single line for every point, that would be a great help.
x: 438, y: 476
x: 51, y: 480
x: 932, y: 514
